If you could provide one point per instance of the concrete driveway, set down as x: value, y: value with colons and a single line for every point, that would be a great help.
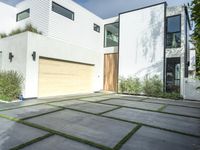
x: 99, y: 121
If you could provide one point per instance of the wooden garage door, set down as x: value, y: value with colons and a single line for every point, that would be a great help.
x: 61, y: 78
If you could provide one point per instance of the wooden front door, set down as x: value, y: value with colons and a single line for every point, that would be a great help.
x: 110, y: 72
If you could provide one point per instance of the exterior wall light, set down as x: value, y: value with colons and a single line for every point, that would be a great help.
x: 11, y: 56
x: 34, y: 55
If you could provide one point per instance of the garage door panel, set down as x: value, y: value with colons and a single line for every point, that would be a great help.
x: 62, y: 78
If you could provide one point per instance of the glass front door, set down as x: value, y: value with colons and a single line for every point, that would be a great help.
x: 173, y: 75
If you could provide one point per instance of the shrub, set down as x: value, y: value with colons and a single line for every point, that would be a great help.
x: 28, y: 27
x: 3, y: 35
x: 152, y: 86
x: 130, y: 85
x: 10, y: 85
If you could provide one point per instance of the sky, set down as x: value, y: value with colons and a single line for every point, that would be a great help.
x: 110, y: 8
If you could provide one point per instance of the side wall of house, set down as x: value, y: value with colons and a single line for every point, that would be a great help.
x: 78, y: 31
x: 179, y: 52
x: 141, y: 48
x: 51, y: 48
x: 39, y: 14
x: 17, y: 45
x: 8, y: 18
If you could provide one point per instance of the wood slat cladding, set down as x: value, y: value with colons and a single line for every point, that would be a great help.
x: 110, y: 72
x: 61, y: 78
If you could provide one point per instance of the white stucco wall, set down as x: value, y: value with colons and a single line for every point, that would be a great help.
x: 51, y: 48
x: 8, y: 18
x: 22, y: 47
x: 141, y: 49
x: 78, y: 31
x: 39, y: 14
x: 18, y: 46
x: 190, y: 89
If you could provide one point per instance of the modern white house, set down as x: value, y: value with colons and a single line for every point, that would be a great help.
x: 79, y: 52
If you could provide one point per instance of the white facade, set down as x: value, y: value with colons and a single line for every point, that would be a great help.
x: 8, y: 21
x: 141, y: 45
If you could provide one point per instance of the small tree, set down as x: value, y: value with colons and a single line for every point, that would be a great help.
x: 196, y: 35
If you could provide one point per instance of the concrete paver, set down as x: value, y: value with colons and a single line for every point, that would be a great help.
x: 134, y: 104
x: 30, y: 111
x: 58, y: 143
x: 13, y: 134
x: 97, y: 129
x: 193, y: 112
x: 167, y: 121
x: 147, y: 138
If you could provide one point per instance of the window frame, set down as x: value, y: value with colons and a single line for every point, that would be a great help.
x: 96, y: 25
x: 27, y: 10
x: 105, y: 35
x: 73, y: 14
x: 173, y: 32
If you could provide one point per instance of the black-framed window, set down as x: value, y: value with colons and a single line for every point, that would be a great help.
x: 111, y: 35
x: 96, y: 28
x: 173, y: 31
x: 23, y: 15
x: 62, y: 11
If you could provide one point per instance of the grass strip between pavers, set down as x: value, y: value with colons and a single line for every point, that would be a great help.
x: 158, y: 111
x: 127, y: 137
x: 46, y: 113
x: 21, y: 146
x: 61, y: 99
x: 162, y: 108
x: 109, y: 110
x: 84, y: 141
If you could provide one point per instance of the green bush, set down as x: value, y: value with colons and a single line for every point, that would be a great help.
x: 130, y: 85
x: 28, y: 27
x: 3, y: 35
x: 10, y: 85
x: 152, y: 86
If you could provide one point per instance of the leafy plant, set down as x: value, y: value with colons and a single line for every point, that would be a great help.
x: 130, y: 85
x: 3, y: 35
x: 195, y: 7
x: 10, y: 85
x: 152, y: 86
x: 28, y: 27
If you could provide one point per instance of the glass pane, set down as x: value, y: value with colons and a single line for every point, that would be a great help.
x: 174, y: 24
x: 111, y: 34
x: 23, y: 15
x: 173, y: 72
x: 62, y: 11
x: 173, y: 40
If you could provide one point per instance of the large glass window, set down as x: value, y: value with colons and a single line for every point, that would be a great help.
x: 111, y: 35
x: 23, y: 15
x: 62, y: 11
x: 174, y: 31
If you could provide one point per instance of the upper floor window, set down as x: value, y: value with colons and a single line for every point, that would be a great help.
x: 62, y: 11
x: 23, y: 15
x: 111, y: 34
x: 96, y: 27
x: 174, y: 31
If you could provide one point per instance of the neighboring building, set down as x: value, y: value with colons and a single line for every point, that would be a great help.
x: 80, y: 52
